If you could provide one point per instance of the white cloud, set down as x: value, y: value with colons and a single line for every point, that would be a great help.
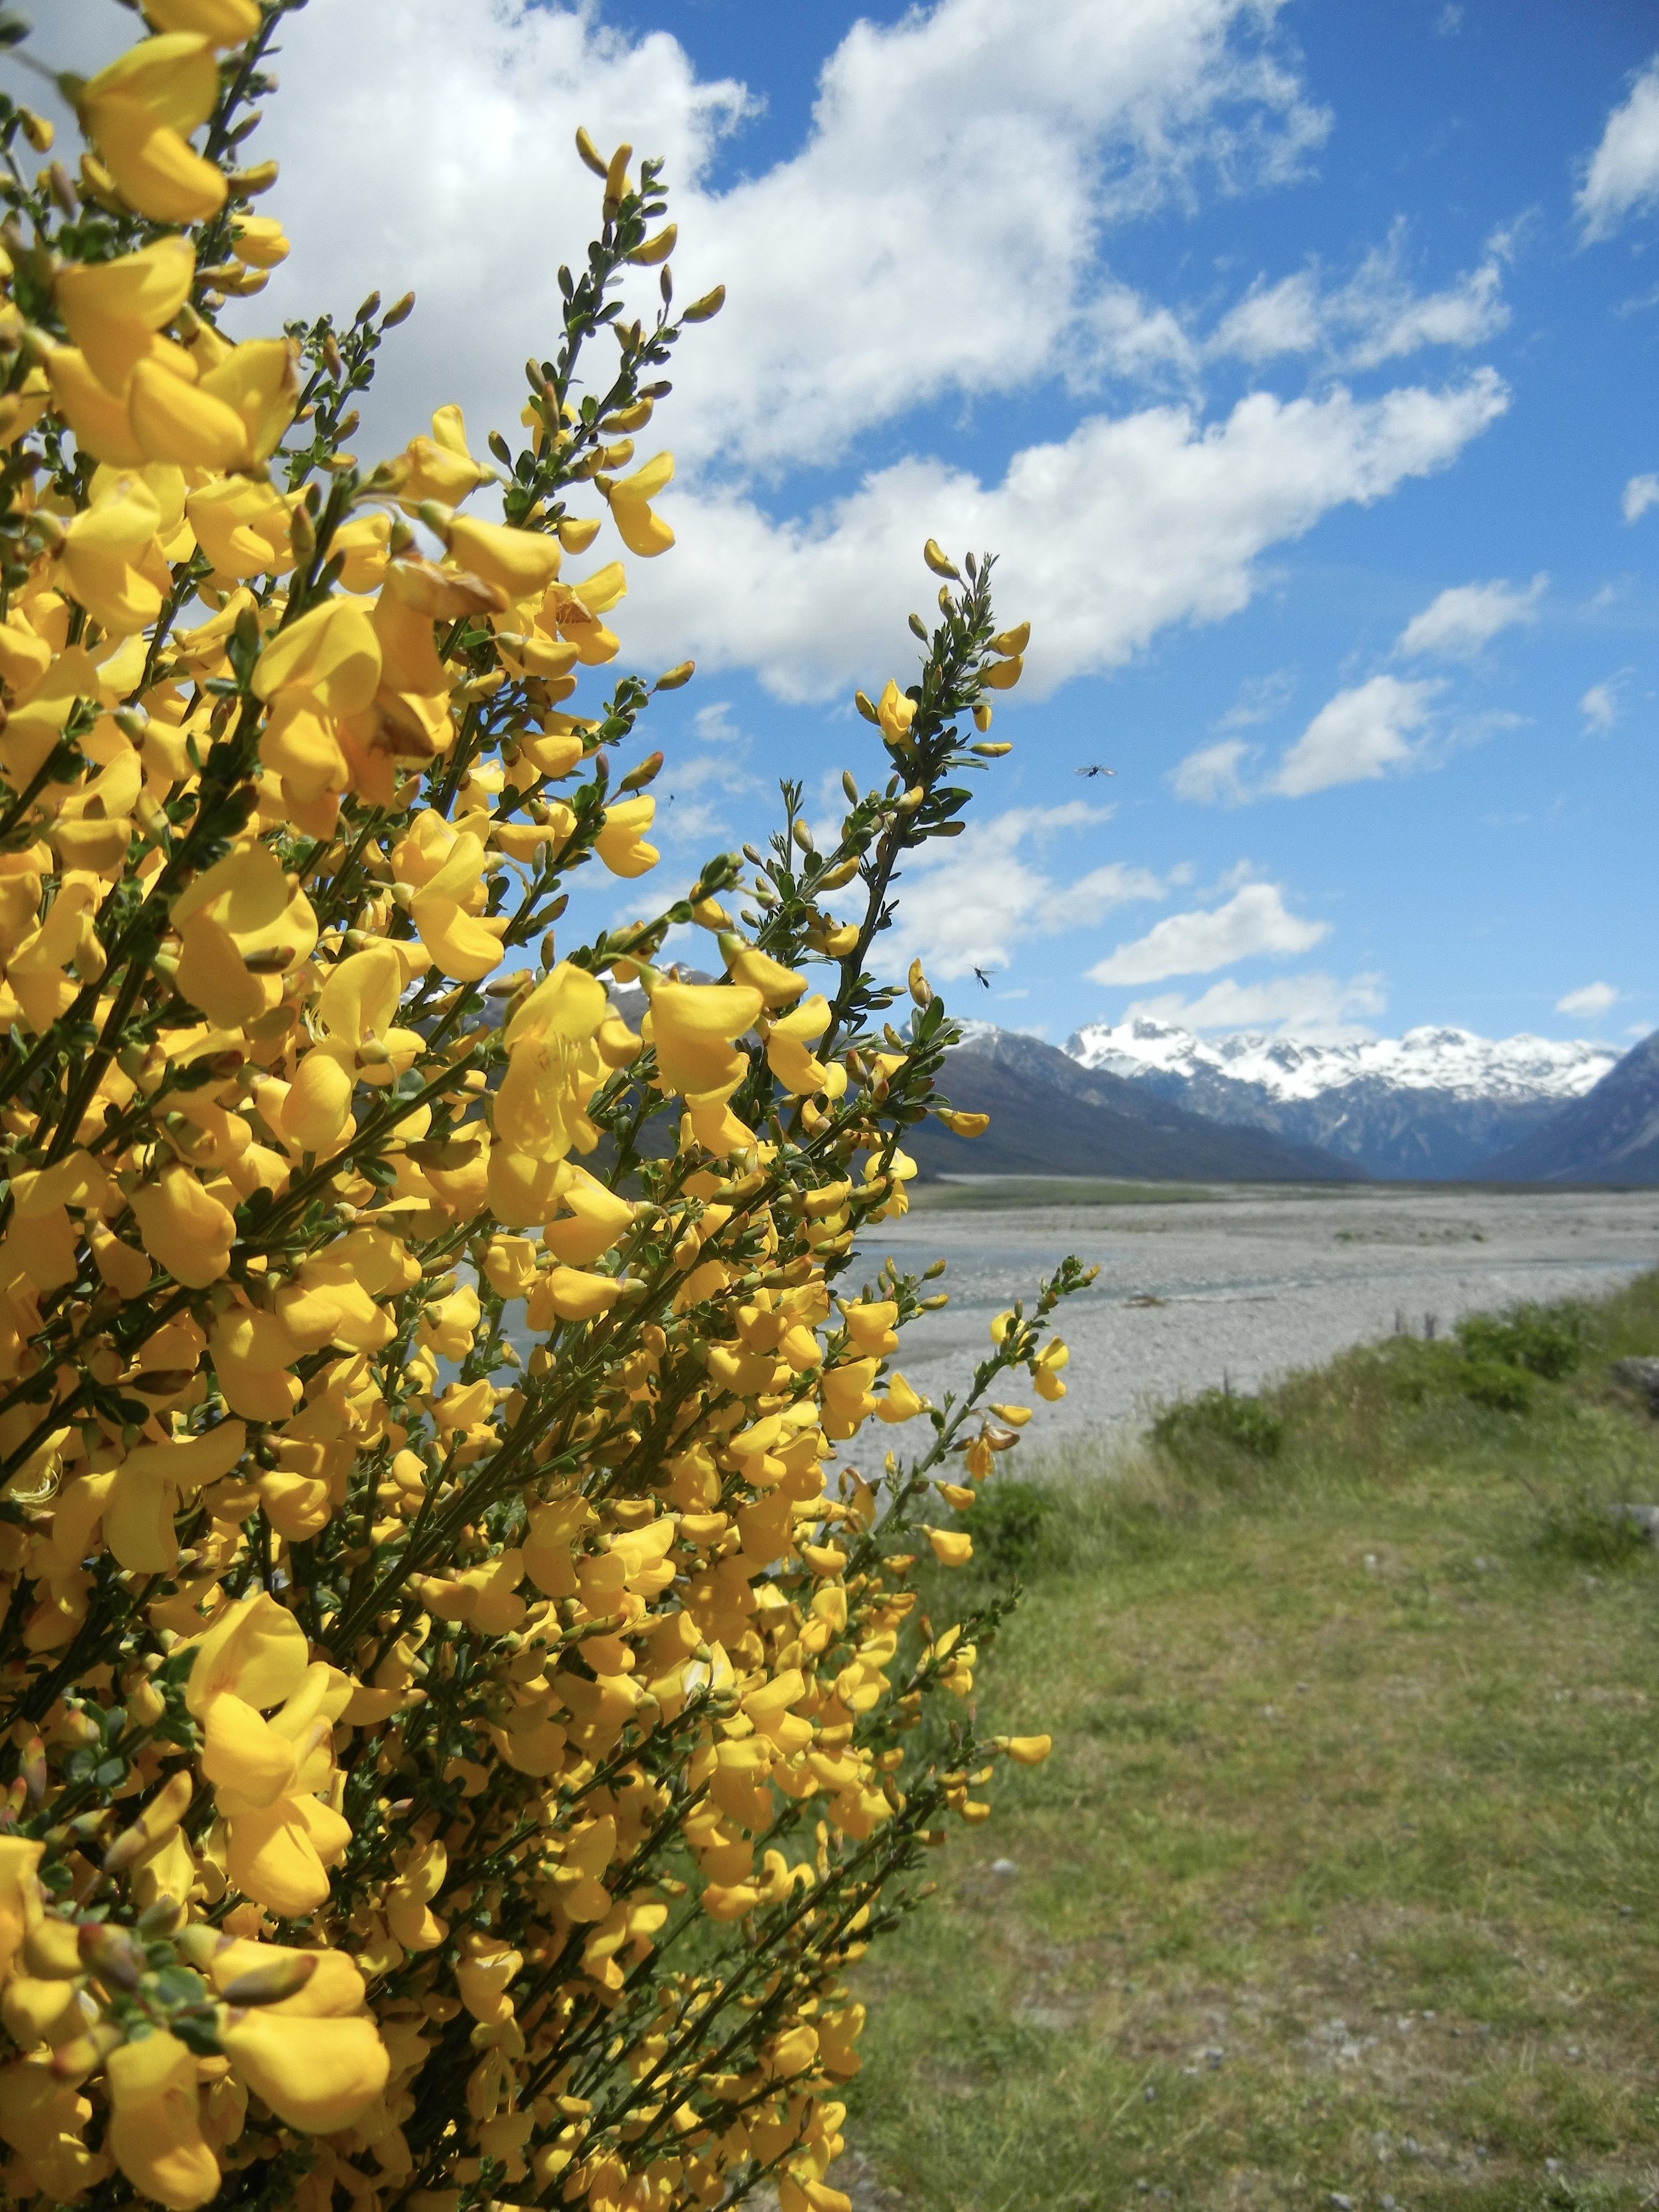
x: 970, y: 901
x: 1600, y: 706
x: 1623, y: 173
x: 714, y: 723
x: 1590, y: 1003
x: 1640, y: 494
x: 1254, y: 921
x: 1260, y: 698
x: 1375, y: 316
x: 1469, y: 615
x: 1313, y: 1005
x: 1122, y: 528
x: 1356, y: 737
x: 1273, y: 319
x: 1391, y: 321
x: 950, y: 159
x: 694, y: 797
x: 1210, y: 777
x: 1450, y: 21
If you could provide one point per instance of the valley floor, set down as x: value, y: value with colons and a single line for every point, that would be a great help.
x: 1242, y: 1284
x: 1341, y: 1886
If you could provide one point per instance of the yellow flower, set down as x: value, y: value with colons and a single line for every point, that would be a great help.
x: 520, y: 562
x: 640, y: 530
x: 441, y: 467
x: 952, y: 1548
x: 901, y: 1403
x: 786, y: 1046
x: 145, y: 1490
x: 692, y: 1026
x: 154, y: 2128
x: 252, y: 1354
x: 258, y: 238
x: 596, y: 1219
x: 621, y: 843
x: 326, y: 664
x: 42, y: 2118
x: 870, y: 1325
x: 319, y: 2074
x: 241, y: 908
x: 464, y: 944
x: 140, y: 113
x: 225, y: 22
x: 895, y: 713
x: 184, y: 1229
x: 242, y: 526
x: 111, y: 560
x: 18, y: 1891
x: 776, y: 984
x: 112, y: 308
x: 1045, y: 1375
x: 1028, y: 1750
x: 232, y: 418
x: 282, y: 1837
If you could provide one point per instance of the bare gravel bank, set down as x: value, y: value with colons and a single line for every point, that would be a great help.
x: 1242, y: 1286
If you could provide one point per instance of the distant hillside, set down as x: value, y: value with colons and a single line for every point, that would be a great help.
x: 1050, y: 1116
x: 1609, y: 1135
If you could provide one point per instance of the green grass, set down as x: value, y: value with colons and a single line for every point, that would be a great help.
x: 1342, y: 1878
x: 994, y: 1191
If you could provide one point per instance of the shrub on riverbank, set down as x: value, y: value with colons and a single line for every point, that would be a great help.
x: 432, y: 1774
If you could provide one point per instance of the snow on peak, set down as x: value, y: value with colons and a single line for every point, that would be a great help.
x: 1453, y: 1060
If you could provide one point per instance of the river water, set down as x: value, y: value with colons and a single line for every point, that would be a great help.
x: 1242, y: 1285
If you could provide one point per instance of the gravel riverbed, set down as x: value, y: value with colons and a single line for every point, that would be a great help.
x: 1244, y: 1285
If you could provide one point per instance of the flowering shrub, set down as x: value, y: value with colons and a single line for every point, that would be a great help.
x: 455, y: 1686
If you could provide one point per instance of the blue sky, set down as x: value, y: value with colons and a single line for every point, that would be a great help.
x: 1299, y: 360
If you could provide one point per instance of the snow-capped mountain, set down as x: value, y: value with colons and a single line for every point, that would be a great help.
x: 1610, y: 1136
x: 1435, y: 1102
x: 1050, y: 1116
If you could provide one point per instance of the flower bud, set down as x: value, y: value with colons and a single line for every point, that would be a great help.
x: 112, y: 1954
x: 647, y: 772
x: 656, y: 249
x: 616, y: 177
x: 272, y: 1980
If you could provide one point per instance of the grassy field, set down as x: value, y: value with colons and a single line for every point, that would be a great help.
x: 1339, y: 1885
x: 996, y: 1191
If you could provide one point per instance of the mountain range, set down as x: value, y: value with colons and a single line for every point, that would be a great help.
x: 1051, y: 1115
x: 1146, y: 1100
x: 1611, y: 1135
x: 1434, y: 1105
